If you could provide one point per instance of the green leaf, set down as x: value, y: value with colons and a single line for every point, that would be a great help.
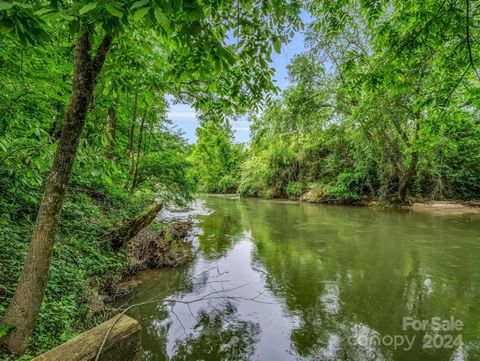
x: 107, y: 179
x: 88, y: 7
x: 139, y: 4
x: 42, y: 11
x: 114, y: 11
x: 5, y: 5
x: 226, y: 55
x: 22, y: 5
x: 4, y: 329
x: 277, y: 44
x: 139, y: 15
x: 162, y: 19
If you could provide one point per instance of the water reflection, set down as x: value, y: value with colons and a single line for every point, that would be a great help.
x: 219, y: 335
x: 324, y: 279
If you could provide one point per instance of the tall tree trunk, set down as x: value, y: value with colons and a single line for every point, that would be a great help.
x: 139, y: 149
x: 24, y: 307
x: 111, y: 128
x: 131, y: 141
x: 406, y: 182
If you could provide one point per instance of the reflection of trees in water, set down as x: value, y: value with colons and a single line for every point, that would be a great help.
x: 221, y: 229
x: 153, y: 317
x: 379, y: 276
x: 218, y: 335
x: 414, y: 289
x: 345, y: 272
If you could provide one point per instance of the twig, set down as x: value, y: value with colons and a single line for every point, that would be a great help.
x: 178, y: 319
x: 208, y: 297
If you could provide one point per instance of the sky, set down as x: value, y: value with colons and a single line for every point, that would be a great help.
x: 183, y: 116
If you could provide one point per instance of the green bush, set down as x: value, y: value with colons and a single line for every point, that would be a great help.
x: 227, y: 184
x: 294, y: 189
x: 254, y: 179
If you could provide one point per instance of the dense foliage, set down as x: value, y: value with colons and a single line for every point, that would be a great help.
x: 103, y: 191
x: 82, y: 268
x: 379, y: 107
x: 83, y: 107
x: 216, y: 158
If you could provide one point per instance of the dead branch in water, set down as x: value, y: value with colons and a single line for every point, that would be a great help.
x: 214, y: 295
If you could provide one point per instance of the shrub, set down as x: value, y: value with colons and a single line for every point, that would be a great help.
x: 294, y: 189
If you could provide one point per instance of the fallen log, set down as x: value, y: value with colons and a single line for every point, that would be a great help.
x: 119, y: 236
x: 123, y: 343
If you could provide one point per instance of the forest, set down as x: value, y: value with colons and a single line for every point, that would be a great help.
x: 379, y: 109
x: 382, y: 107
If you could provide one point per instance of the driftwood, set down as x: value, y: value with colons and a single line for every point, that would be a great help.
x: 156, y: 249
x: 119, y: 236
x: 123, y: 343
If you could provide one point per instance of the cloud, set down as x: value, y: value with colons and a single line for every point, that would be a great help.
x: 182, y: 112
x: 183, y: 116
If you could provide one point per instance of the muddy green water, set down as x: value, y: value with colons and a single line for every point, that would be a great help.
x: 287, y: 281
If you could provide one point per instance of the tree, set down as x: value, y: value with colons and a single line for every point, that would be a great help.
x: 411, y: 70
x: 216, y: 158
x: 25, y: 304
x: 111, y: 128
x: 195, y: 33
x: 370, y: 104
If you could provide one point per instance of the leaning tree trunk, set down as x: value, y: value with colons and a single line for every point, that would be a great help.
x: 24, y: 306
x: 407, y: 180
x: 119, y: 236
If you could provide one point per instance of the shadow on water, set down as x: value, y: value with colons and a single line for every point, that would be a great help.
x: 289, y: 281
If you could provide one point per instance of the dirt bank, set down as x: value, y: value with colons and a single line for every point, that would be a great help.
x: 157, y: 246
x: 446, y: 207
x: 438, y: 207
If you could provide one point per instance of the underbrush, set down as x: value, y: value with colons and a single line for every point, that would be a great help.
x: 81, y: 269
x: 256, y: 181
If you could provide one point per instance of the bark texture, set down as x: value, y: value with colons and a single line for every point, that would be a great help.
x: 120, y: 235
x: 123, y: 343
x: 408, y: 179
x: 24, y: 307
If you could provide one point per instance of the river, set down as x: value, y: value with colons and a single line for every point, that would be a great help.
x: 277, y: 280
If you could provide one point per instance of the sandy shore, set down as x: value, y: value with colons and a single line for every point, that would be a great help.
x: 445, y: 207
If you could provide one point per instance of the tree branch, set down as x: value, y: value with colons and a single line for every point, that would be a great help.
x: 469, y: 45
x: 101, y: 54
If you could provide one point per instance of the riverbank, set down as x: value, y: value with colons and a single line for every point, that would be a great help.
x: 160, y: 245
x: 86, y: 274
x: 437, y: 207
x: 446, y: 207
